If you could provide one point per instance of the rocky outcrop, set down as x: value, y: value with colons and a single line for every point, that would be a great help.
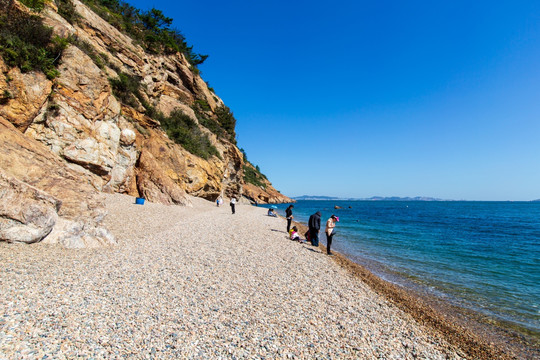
x: 36, y: 182
x: 26, y: 214
x: 159, y: 169
x: 72, y: 138
x: 27, y: 93
x: 263, y: 195
x: 260, y: 189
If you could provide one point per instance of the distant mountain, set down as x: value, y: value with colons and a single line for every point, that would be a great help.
x: 397, y: 198
x: 373, y: 198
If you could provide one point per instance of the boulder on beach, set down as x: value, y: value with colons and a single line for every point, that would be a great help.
x: 27, y: 214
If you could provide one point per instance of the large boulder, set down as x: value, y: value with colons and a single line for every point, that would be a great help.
x: 79, y: 234
x: 27, y: 214
x: 32, y: 163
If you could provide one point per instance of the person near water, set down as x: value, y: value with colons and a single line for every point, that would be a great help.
x: 314, y: 225
x: 219, y: 201
x: 233, y: 203
x: 293, y: 234
x: 272, y: 212
x: 330, y: 232
x: 288, y: 215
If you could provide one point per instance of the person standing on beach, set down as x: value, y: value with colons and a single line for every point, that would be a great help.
x: 218, y: 201
x: 330, y: 231
x: 233, y: 203
x: 314, y: 225
x: 288, y: 215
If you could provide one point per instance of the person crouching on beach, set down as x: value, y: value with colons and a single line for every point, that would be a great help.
x: 314, y: 225
x: 330, y: 232
x: 233, y: 203
x: 271, y: 212
x: 293, y: 234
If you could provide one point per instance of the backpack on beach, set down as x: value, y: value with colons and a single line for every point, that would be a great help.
x: 308, y: 236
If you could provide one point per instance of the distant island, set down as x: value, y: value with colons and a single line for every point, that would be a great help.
x: 373, y: 198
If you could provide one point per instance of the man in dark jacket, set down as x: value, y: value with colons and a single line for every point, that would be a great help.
x: 314, y: 227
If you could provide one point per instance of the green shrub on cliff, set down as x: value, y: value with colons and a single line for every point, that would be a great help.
x: 152, y: 29
x: 227, y: 121
x: 222, y: 124
x: 36, y: 5
x: 244, y: 154
x: 29, y: 45
x: 99, y: 59
x: 203, y: 105
x: 179, y: 127
x: 184, y: 131
x: 127, y: 89
x: 66, y: 9
x: 254, y: 176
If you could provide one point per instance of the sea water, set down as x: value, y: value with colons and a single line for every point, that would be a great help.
x: 483, y: 256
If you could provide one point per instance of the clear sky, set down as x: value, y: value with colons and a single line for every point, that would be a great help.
x: 387, y: 98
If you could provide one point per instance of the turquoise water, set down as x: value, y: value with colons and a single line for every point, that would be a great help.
x: 484, y: 256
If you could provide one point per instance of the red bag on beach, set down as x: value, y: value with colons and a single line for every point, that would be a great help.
x: 307, y: 235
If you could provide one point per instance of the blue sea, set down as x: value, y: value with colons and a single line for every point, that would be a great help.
x: 482, y: 256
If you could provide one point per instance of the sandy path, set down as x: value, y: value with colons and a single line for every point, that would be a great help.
x: 197, y: 283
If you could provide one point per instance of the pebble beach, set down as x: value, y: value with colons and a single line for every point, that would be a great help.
x: 198, y: 283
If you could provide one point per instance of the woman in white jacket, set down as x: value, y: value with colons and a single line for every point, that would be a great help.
x: 330, y: 231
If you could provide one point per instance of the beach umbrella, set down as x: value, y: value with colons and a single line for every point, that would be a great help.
x: 273, y: 207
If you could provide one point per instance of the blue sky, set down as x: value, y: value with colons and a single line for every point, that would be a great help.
x: 387, y: 98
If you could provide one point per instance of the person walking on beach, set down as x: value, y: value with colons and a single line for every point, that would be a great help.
x: 218, y: 201
x: 288, y: 215
x: 314, y: 225
x: 233, y: 203
x: 330, y: 232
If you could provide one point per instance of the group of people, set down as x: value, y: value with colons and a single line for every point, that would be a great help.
x: 314, y: 225
x: 219, y: 201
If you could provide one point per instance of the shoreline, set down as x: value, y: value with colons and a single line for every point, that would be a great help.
x: 478, y: 336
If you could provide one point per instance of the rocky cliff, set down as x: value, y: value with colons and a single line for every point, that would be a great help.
x: 65, y: 139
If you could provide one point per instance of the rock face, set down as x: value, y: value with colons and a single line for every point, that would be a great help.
x: 71, y: 138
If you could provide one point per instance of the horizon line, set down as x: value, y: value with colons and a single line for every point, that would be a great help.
x: 398, y: 198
